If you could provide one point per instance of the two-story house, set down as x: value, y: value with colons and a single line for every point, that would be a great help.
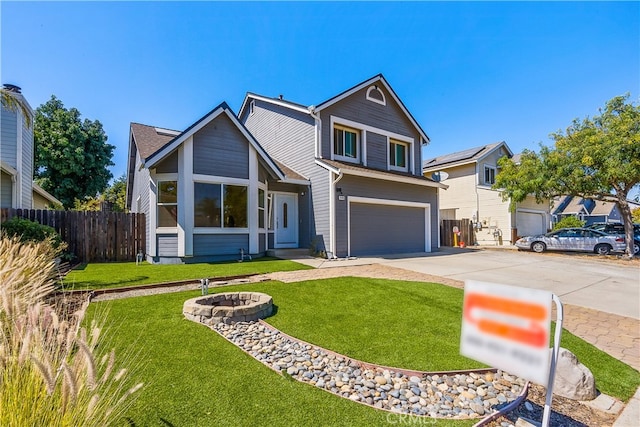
x: 342, y: 177
x: 470, y: 175
x: 17, y: 189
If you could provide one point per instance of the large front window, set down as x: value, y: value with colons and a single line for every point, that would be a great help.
x: 345, y: 143
x: 398, y: 155
x: 220, y: 205
x: 167, y: 203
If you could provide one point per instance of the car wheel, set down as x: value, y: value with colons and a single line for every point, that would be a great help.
x: 636, y: 248
x: 602, y: 249
x: 538, y: 247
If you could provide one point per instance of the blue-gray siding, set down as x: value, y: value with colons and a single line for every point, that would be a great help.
x: 167, y: 245
x: 289, y: 136
x: 358, y: 109
x: 26, y: 173
x: 141, y: 188
x: 262, y: 242
x: 5, y: 190
x: 381, y: 229
x: 8, y: 138
x: 169, y: 164
x: 220, y: 149
x: 220, y: 244
x: 376, y: 151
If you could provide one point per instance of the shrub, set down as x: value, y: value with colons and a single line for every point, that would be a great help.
x: 29, y: 231
x: 51, y: 371
x: 569, y: 221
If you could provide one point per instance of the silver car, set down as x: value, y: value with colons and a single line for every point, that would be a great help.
x: 573, y: 239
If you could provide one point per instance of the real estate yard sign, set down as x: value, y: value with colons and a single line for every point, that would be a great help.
x: 507, y: 327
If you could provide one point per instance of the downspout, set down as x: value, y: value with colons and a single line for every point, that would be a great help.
x: 332, y: 213
x: 318, y: 130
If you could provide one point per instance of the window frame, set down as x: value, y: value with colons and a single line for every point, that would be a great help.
x: 160, y: 204
x: 222, y: 185
x: 262, y: 211
x: 407, y: 155
x: 357, y: 145
x: 489, y: 168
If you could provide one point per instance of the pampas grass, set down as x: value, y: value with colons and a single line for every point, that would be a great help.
x: 53, y: 371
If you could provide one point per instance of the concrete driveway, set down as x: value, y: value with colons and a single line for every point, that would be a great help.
x: 593, y: 282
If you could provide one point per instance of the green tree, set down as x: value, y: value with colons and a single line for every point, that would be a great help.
x: 596, y: 158
x: 71, y: 156
x: 116, y: 194
x: 635, y: 215
x: 568, y: 222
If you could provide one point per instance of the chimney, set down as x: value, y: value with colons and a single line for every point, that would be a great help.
x: 279, y: 96
x: 12, y: 88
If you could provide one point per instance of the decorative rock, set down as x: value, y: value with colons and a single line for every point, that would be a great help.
x: 573, y: 380
x: 430, y: 395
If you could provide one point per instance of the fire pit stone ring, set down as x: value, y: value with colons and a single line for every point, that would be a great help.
x: 228, y: 307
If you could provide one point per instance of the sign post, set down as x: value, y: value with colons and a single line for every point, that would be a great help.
x: 508, y: 327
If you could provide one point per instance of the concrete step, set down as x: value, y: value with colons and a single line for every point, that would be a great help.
x: 288, y: 253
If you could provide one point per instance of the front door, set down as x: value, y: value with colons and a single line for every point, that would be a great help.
x: 286, y: 220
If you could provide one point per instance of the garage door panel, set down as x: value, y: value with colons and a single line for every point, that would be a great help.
x: 530, y: 223
x: 384, y: 229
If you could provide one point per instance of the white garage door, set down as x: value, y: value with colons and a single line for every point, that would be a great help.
x: 377, y: 228
x: 530, y: 223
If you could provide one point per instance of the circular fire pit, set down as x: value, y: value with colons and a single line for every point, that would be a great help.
x: 228, y: 307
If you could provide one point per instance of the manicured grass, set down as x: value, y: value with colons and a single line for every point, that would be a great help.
x: 110, y: 275
x: 195, y: 377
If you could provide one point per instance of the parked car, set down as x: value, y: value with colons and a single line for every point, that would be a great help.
x: 573, y: 239
x: 617, y: 228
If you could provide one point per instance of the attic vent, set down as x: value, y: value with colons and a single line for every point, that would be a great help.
x: 374, y: 94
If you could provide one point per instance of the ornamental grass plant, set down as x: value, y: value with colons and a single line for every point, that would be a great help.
x: 53, y: 368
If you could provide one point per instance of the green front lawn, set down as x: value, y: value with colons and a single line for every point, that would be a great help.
x: 119, y: 274
x: 194, y: 377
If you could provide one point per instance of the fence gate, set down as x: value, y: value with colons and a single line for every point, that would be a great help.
x: 465, y: 226
x: 92, y: 236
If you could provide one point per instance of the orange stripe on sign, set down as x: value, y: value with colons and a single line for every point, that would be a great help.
x: 503, y: 305
x: 534, y: 337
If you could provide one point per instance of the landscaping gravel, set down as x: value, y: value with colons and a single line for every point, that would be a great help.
x: 466, y: 395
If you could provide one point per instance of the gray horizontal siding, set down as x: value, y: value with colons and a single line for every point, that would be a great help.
x: 167, y: 244
x: 358, y: 109
x: 262, y: 246
x: 8, y: 138
x: 169, y: 164
x: 378, y: 189
x: 220, y: 149
x: 5, y: 190
x: 379, y: 229
x: 27, y: 166
x: 220, y: 244
x: 376, y: 151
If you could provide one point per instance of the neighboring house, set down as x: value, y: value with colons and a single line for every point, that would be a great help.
x: 342, y: 178
x: 16, y: 155
x: 43, y: 200
x: 470, y: 175
x: 588, y: 210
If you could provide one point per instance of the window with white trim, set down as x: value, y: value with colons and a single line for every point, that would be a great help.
x: 374, y: 94
x: 398, y: 155
x: 220, y: 205
x: 345, y: 143
x: 261, y: 208
x: 489, y: 175
x: 167, y: 203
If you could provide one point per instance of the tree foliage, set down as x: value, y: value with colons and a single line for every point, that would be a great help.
x: 596, y: 158
x: 568, y: 222
x: 635, y: 215
x: 71, y: 156
x: 115, y: 195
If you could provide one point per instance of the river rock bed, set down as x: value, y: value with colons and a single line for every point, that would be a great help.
x: 462, y: 395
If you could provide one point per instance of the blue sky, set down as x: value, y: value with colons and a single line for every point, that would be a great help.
x: 470, y: 73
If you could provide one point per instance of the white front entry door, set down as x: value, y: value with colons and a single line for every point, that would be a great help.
x: 286, y: 220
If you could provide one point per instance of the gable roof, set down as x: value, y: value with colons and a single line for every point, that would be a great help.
x: 313, y: 109
x: 159, y: 144
x: 150, y: 139
x: 464, y: 157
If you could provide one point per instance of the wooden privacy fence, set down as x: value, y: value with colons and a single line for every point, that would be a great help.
x: 92, y: 236
x: 465, y: 226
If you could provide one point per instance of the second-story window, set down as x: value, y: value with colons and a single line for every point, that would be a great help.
x: 345, y: 143
x: 489, y: 175
x: 167, y: 203
x: 398, y: 153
